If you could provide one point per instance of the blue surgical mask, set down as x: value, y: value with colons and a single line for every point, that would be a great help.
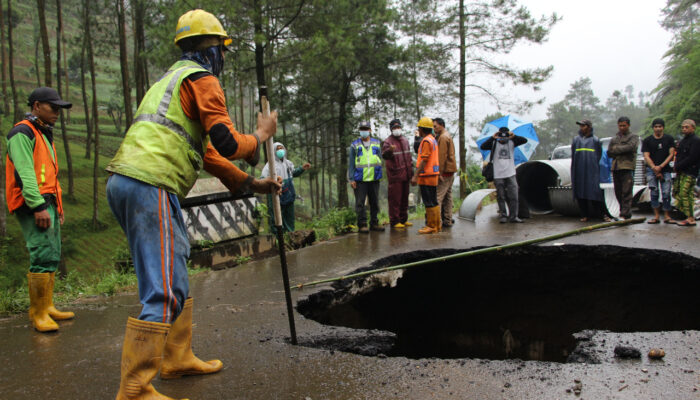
x: 280, y: 153
x: 364, y: 134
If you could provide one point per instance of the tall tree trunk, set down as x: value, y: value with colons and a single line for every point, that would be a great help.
x: 41, y: 6
x: 259, y: 48
x: 138, y: 11
x: 64, y: 134
x: 3, y: 61
x: 462, y: 103
x: 342, y: 119
x: 65, y: 67
x: 10, y: 61
x: 37, y: 70
x: 324, y: 160
x: 96, y: 124
x: 241, y: 100
x: 317, y: 175
x: 124, y: 63
x: 333, y: 156
x: 86, y: 105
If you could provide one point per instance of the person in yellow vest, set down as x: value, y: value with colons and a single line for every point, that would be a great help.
x: 364, y: 173
x: 427, y: 173
x: 34, y: 195
x: 181, y: 126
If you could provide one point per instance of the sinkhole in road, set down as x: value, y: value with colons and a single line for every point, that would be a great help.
x: 523, y: 303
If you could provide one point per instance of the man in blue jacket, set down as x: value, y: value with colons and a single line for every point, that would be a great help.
x: 364, y: 173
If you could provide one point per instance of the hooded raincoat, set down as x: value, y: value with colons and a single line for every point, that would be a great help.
x: 586, y: 152
x: 285, y: 170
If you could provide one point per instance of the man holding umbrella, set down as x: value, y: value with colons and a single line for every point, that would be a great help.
x: 503, y: 144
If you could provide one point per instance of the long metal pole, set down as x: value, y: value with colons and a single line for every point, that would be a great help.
x: 269, y: 152
x: 476, y: 252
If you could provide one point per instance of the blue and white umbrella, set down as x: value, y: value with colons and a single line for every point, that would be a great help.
x: 519, y: 127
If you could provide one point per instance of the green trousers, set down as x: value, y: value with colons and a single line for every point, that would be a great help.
x: 44, y: 246
x: 683, y: 191
x: 287, y: 216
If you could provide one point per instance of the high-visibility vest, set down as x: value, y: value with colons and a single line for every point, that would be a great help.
x: 432, y: 167
x: 45, y: 167
x: 368, y: 161
x: 163, y: 147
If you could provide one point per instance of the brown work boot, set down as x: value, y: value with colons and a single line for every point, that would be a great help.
x: 178, y: 358
x: 141, y: 359
x: 363, y: 229
x: 376, y: 228
x: 53, y: 312
x: 39, y: 302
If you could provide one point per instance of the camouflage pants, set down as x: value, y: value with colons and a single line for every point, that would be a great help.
x: 683, y: 192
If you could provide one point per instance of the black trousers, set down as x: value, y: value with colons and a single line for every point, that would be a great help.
x: 363, y: 191
x: 590, y: 208
x: 429, y: 195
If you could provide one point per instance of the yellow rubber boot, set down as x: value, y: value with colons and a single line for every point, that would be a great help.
x: 178, y: 358
x: 53, y: 312
x: 437, y: 219
x: 429, y: 227
x: 39, y: 302
x: 141, y: 358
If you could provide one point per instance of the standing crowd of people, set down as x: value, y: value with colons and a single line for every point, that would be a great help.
x: 434, y: 174
x: 671, y: 170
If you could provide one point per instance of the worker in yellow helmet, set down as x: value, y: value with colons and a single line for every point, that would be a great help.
x: 426, y: 176
x: 181, y: 126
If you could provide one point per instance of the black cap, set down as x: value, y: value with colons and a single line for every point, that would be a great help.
x: 47, y: 95
x: 584, y: 122
x: 394, y: 123
x: 503, y: 132
x: 365, y: 124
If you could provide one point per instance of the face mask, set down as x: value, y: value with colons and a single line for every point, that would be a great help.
x: 364, y: 134
x: 210, y: 58
x: 396, y: 132
x: 280, y: 153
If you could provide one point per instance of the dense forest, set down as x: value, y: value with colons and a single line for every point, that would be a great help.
x: 326, y: 64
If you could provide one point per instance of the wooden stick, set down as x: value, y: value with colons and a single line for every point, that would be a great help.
x: 270, y: 152
x: 476, y: 252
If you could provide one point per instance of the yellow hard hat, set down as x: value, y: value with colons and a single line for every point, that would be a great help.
x: 198, y: 23
x: 425, y: 122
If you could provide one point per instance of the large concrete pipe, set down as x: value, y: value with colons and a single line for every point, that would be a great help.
x: 563, y: 202
x: 536, y: 177
x: 472, y: 203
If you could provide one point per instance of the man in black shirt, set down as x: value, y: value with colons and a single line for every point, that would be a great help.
x: 686, y: 167
x: 659, y: 150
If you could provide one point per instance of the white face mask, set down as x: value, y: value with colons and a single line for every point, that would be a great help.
x: 396, y: 132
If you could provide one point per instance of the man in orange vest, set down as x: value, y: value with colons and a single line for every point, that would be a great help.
x: 34, y: 196
x: 427, y: 173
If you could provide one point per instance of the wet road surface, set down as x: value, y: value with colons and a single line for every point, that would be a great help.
x: 240, y: 318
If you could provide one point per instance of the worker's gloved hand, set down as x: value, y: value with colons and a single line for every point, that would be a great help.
x: 267, y: 185
x: 267, y: 126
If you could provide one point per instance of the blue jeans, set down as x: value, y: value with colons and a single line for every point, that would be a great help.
x: 153, y: 224
x: 653, y: 182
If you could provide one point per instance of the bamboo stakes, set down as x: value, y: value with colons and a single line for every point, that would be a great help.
x: 476, y: 252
